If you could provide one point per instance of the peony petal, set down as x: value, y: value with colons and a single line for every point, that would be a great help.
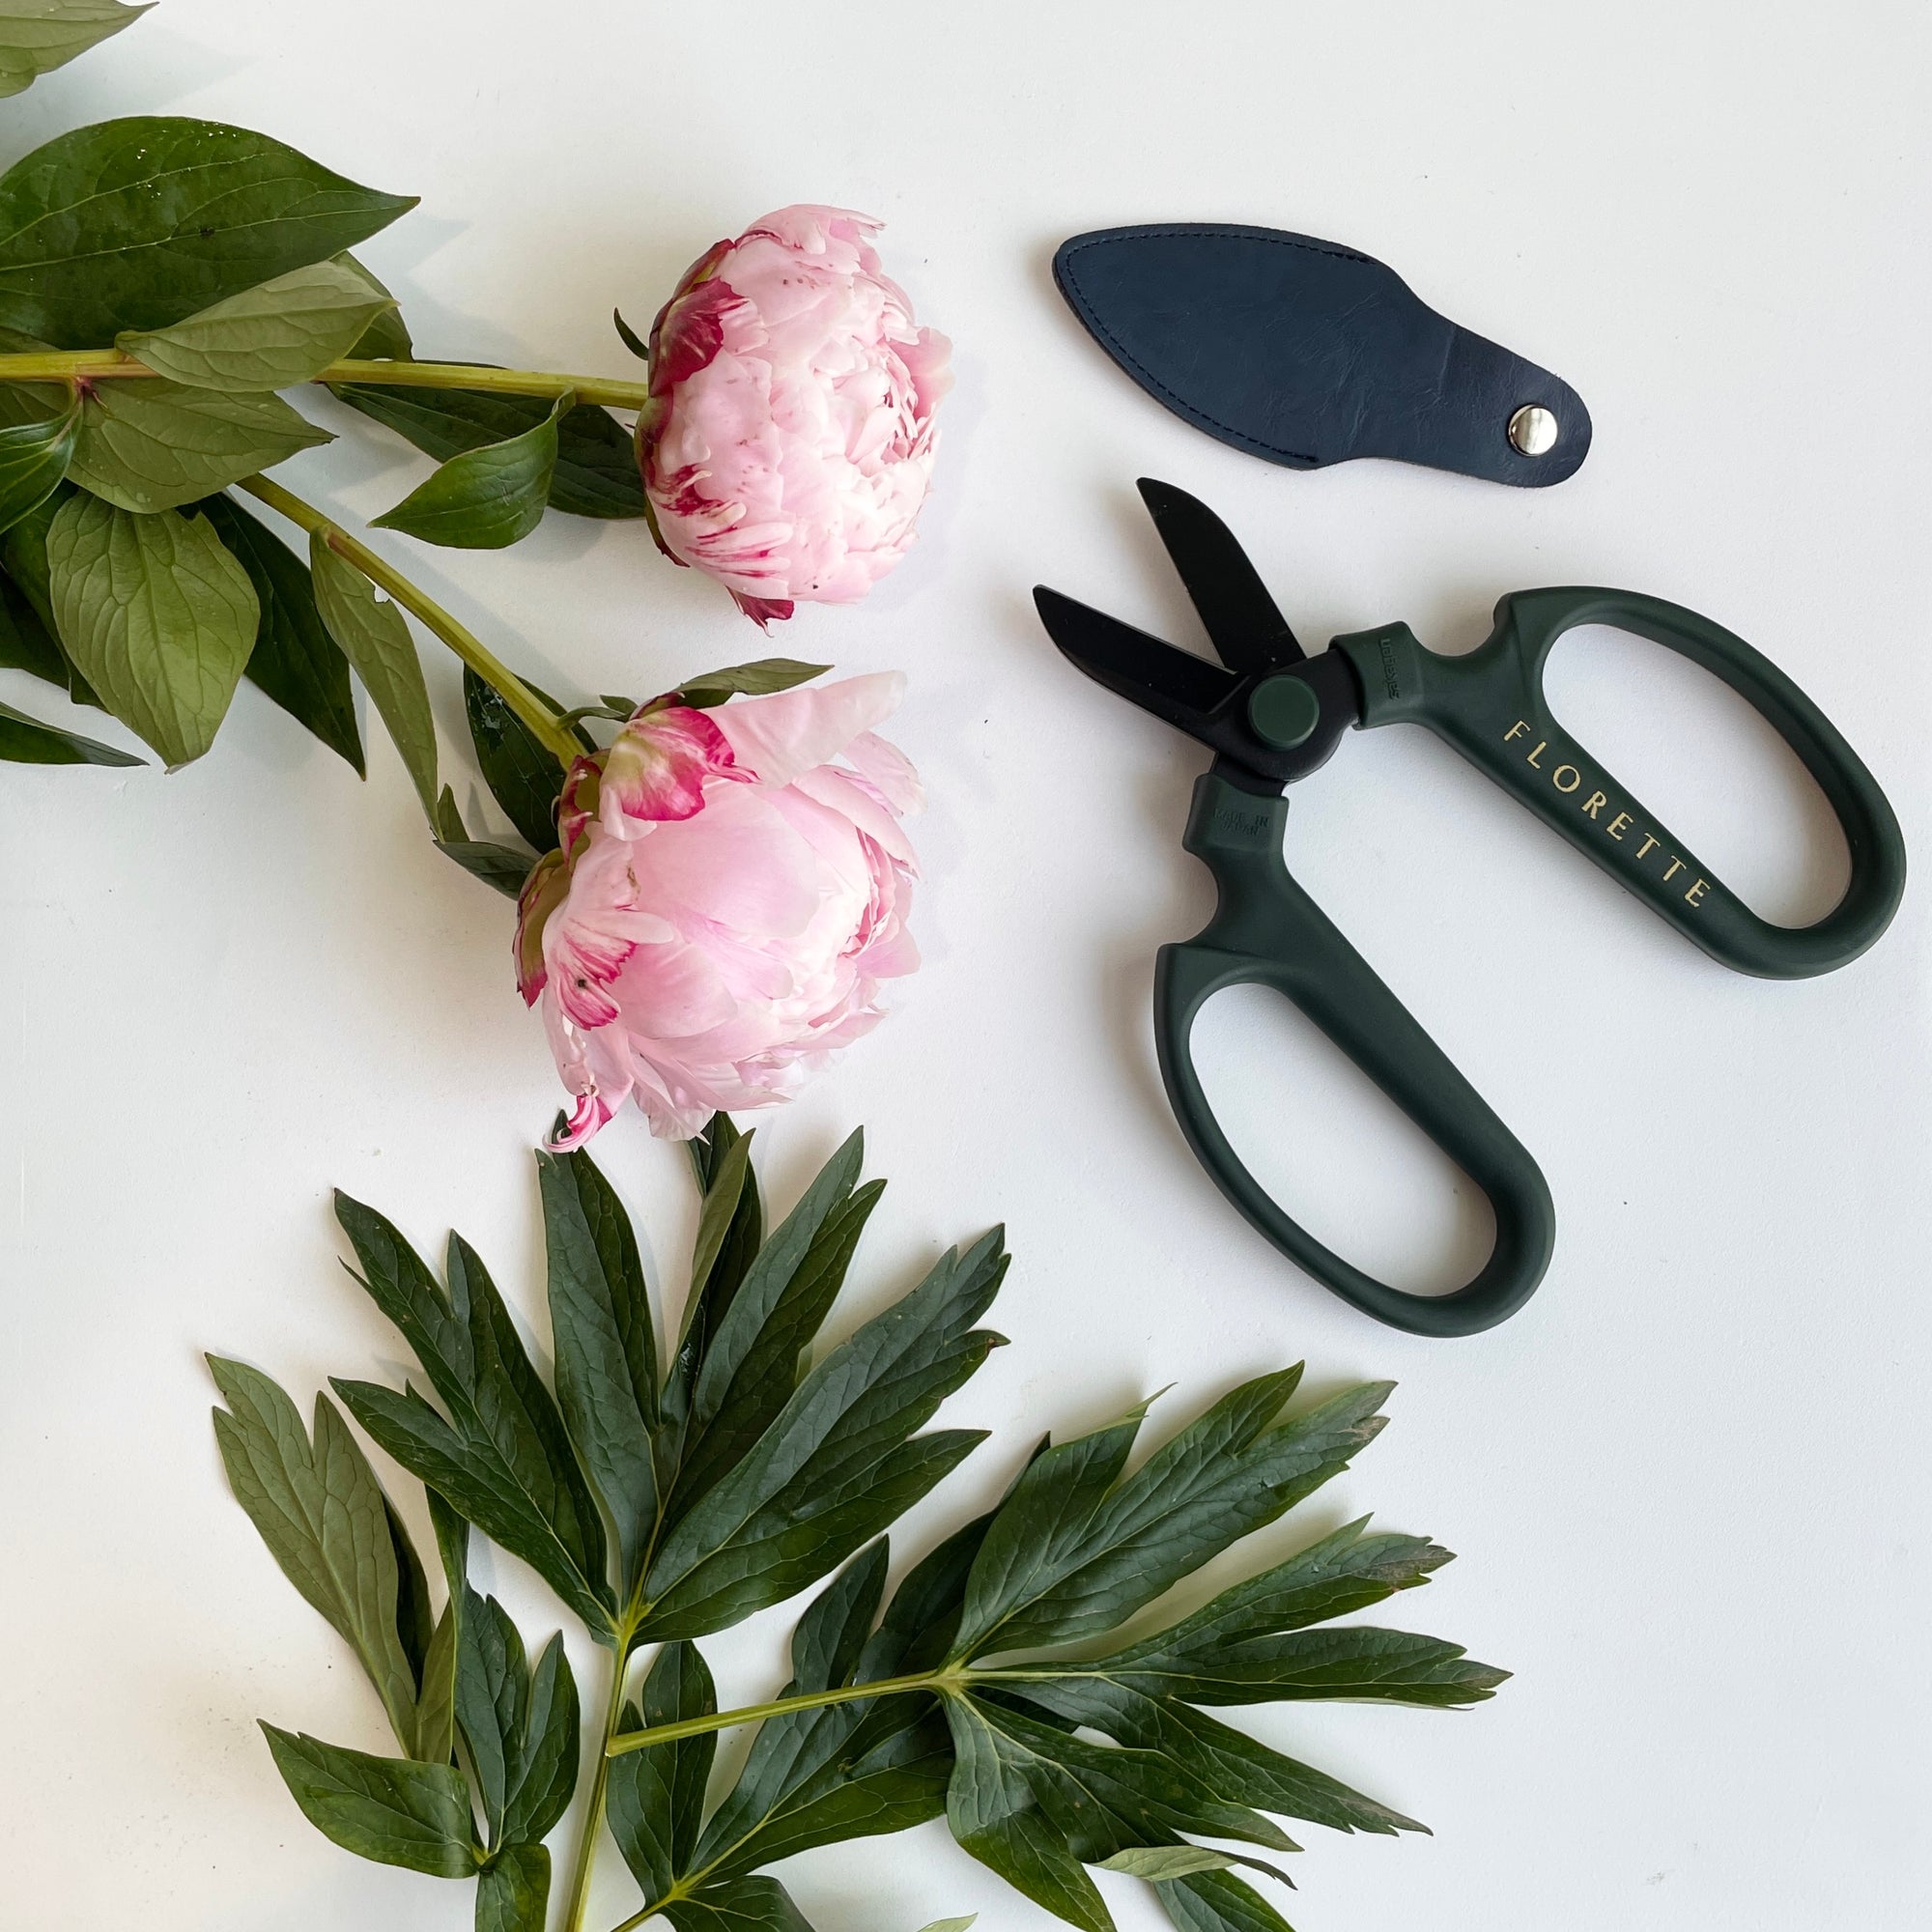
x: 778, y: 736
x: 591, y: 1112
x: 543, y: 892
x: 811, y: 227
x: 786, y: 443
x: 884, y: 765
x: 738, y: 863
x: 711, y: 958
x: 764, y: 612
x: 670, y: 990
x: 838, y: 791
x: 656, y: 767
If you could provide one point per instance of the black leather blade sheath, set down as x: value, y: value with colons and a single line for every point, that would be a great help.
x: 1307, y: 353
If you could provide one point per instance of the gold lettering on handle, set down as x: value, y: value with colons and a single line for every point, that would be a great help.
x: 1568, y: 779
x: 1696, y: 895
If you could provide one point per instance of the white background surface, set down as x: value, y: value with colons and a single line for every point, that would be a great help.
x: 1688, y: 1484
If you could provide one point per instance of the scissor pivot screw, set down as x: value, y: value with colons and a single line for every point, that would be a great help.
x: 1532, y: 431
x: 1283, y: 711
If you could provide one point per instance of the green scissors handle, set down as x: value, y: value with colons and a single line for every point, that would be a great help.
x: 1490, y: 705
x: 1272, y: 716
x: 1266, y: 931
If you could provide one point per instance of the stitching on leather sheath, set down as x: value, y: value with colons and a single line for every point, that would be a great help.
x: 1180, y: 404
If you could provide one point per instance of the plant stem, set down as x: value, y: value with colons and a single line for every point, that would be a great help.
x: 541, y: 720
x: 70, y: 365
x: 101, y: 365
x: 593, y: 1817
x: 938, y: 1682
x: 495, y: 382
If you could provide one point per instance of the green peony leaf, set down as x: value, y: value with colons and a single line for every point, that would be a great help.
x: 1074, y: 1552
x: 282, y: 331
x: 738, y: 1905
x: 994, y: 1814
x: 524, y: 776
x: 630, y: 337
x: 387, y: 339
x: 326, y: 1520
x: 136, y: 223
x: 1218, y: 1902
x: 1231, y: 1762
x: 34, y: 457
x: 502, y: 1458
x: 375, y: 638
x: 26, y: 741
x: 435, y: 1736
x: 390, y: 1809
x: 836, y: 1465
x: 25, y: 641
x: 606, y: 1344
x: 157, y: 615
x: 294, y: 662
x: 486, y: 499
x: 1100, y: 1798
x: 513, y: 1891
x: 520, y: 1729
x: 730, y: 1230
x: 1158, y: 1862
x: 153, y: 445
x: 732, y: 1481
x: 843, y: 1771
x: 596, y: 473
x: 37, y: 36
x: 502, y: 868
x: 656, y: 1796
x: 757, y: 1344
x: 767, y: 675
x: 23, y: 555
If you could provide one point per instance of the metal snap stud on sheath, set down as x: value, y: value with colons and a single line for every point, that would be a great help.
x: 1532, y: 431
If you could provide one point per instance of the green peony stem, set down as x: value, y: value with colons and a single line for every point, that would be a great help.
x: 543, y: 723
x: 98, y: 365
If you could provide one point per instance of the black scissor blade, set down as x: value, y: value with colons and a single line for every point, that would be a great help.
x: 1239, y: 616
x: 1174, y: 685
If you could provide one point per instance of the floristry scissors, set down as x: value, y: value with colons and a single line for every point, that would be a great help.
x: 1273, y: 714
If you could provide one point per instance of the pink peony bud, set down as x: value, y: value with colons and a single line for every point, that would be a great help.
x: 788, y: 441
x: 727, y: 903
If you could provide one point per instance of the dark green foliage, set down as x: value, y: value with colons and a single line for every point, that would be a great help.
x: 484, y: 498
x: 34, y: 457
x: 294, y: 661
x: 136, y: 223
x: 26, y: 741
x: 666, y: 1495
x: 524, y: 776
x: 749, y: 680
x: 596, y: 468
x: 778, y: 1472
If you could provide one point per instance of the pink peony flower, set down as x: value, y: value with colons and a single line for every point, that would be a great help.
x: 731, y: 890
x: 788, y: 441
